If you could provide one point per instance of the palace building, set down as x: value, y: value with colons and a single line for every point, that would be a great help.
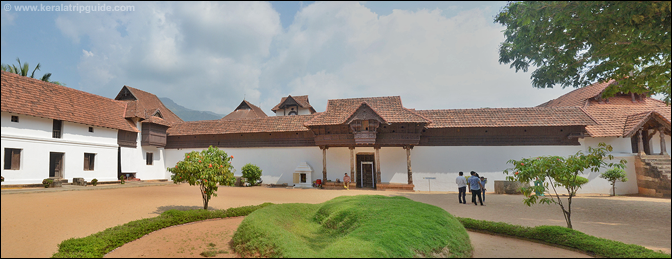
x: 51, y: 131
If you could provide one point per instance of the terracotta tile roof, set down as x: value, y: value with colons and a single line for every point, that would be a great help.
x: 507, y: 117
x: 245, y: 110
x: 301, y: 100
x: 157, y: 120
x: 24, y: 95
x: 144, y: 105
x: 613, y: 116
x: 577, y: 97
x: 259, y: 125
x: 388, y: 108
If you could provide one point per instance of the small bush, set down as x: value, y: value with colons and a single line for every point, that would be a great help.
x: 47, y: 182
x: 566, y: 237
x: 252, y: 173
x: 94, y: 181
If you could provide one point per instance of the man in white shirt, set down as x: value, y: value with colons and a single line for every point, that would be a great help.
x: 462, y: 187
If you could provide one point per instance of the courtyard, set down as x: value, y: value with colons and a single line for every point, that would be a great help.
x: 33, y: 224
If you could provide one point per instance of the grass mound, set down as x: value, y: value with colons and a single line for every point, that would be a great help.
x: 352, y: 226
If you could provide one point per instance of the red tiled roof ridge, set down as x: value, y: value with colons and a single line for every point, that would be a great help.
x: 583, y: 109
x: 155, y: 98
x: 505, y: 108
x: 577, y: 95
x: 299, y: 99
x: 414, y: 111
x: 360, y: 106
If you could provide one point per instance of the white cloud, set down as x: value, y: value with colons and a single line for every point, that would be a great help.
x: 202, y: 55
x: 87, y: 53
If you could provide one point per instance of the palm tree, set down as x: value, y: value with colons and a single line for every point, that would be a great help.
x: 23, y: 70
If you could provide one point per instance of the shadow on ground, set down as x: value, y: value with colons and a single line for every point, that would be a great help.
x: 163, y: 209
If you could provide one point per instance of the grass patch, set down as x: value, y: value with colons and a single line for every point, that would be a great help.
x: 565, y: 237
x: 352, y: 226
x: 101, y: 243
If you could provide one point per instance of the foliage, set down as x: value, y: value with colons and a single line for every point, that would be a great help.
x: 47, y: 182
x: 560, y: 172
x: 94, y: 181
x: 578, y: 43
x: 23, y: 70
x: 252, y: 173
x: 352, y: 226
x: 206, y: 169
x: 2, y: 179
x: 98, y: 244
x: 564, y: 237
x: 123, y: 179
x: 613, y: 175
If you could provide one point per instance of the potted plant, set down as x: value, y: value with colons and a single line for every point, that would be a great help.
x: 94, y: 181
x: 47, y: 182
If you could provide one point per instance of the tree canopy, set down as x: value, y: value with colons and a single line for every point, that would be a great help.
x: 577, y: 43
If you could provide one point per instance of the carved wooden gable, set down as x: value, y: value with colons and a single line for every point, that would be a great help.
x: 364, y: 123
x: 125, y: 94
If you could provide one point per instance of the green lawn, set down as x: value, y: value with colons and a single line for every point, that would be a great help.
x: 353, y: 226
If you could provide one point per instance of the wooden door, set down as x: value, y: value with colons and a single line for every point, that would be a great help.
x: 365, y: 165
x: 56, y: 165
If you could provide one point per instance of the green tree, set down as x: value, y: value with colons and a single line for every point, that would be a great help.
x: 559, y: 172
x: 23, y: 70
x: 613, y: 175
x: 577, y: 43
x: 207, y: 169
x: 252, y: 173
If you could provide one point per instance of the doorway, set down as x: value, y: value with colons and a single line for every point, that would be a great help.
x: 56, y: 164
x: 365, y: 171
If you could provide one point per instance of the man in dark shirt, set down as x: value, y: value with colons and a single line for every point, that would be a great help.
x: 475, y: 186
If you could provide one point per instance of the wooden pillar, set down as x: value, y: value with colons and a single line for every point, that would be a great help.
x: 640, y: 142
x: 377, y: 154
x: 324, y: 164
x: 353, y: 179
x: 408, y: 164
x: 663, y: 148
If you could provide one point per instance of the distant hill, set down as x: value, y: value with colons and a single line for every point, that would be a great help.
x: 189, y: 114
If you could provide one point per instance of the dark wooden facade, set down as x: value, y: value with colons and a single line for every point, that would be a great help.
x: 127, y: 138
x: 502, y: 136
x: 153, y: 135
x: 277, y: 139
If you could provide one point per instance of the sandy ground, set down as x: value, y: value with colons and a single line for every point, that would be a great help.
x: 33, y: 224
x: 192, y: 239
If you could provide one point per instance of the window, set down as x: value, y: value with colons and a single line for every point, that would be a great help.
x: 15, y: 118
x: 90, y: 129
x: 58, y: 128
x: 89, y: 160
x: 12, y: 159
x: 150, y: 158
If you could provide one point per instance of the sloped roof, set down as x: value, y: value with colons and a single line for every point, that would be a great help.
x: 245, y: 110
x: 24, y: 95
x: 388, y: 108
x: 613, y: 116
x: 252, y: 125
x: 507, y: 117
x: 301, y: 100
x: 577, y: 97
x: 143, y: 105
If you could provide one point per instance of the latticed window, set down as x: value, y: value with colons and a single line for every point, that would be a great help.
x: 89, y: 160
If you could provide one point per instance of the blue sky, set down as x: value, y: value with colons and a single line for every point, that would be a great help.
x: 211, y: 55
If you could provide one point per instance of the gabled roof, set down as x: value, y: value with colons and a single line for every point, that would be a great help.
x: 612, y: 116
x: 389, y: 108
x: 245, y: 110
x: 300, y: 100
x: 635, y: 121
x: 507, y: 117
x: 24, y: 95
x: 253, y: 125
x: 578, y: 97
x: 143, y: 105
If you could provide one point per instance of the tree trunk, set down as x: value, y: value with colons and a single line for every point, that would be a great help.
x: 613, y: 185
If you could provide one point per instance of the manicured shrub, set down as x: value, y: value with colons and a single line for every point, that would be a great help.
x: 47, y: 182
x: 252, y: 173
x: 94, y: 181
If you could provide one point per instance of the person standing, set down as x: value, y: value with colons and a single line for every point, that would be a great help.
x: 475, y: 186
x: 462, y: 188
x: 483, y: 182
x: 346, y: 181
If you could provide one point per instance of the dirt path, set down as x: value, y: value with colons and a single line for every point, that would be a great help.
x: 33, y: 224
x: 190, y: 240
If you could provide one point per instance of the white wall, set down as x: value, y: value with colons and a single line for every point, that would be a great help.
x: 282, y: 112
x: 134, y: 160
x: 33, y: 136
